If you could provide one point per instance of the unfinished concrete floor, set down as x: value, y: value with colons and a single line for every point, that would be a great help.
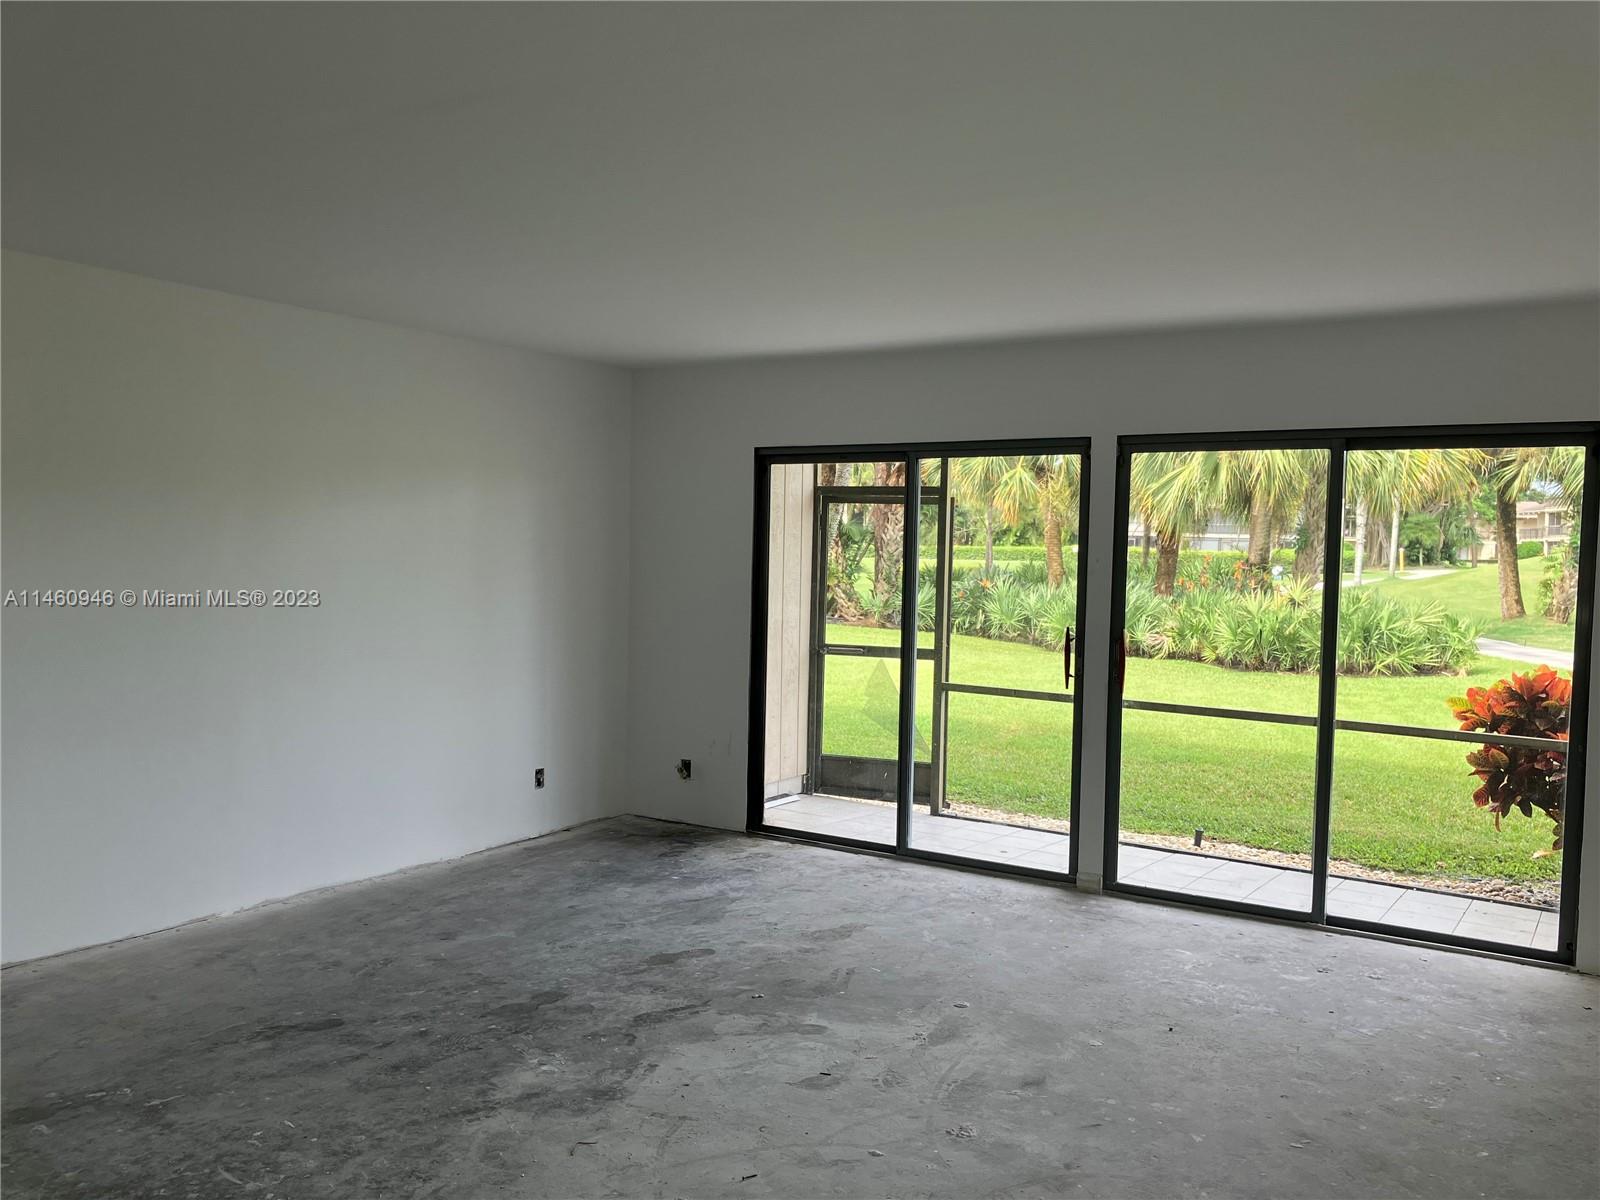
x: 639, y: 1009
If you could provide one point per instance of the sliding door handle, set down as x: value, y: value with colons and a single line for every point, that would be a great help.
x: 1066, y: 662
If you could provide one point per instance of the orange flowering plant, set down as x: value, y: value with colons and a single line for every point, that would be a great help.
x: 1535, y: 705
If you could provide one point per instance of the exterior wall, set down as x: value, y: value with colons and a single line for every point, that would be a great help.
x: 791, y: 537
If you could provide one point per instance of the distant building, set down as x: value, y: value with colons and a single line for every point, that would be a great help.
x: 1220, y: 533
x: 1547, y: 522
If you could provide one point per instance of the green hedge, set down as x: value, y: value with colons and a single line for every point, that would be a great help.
x: 1281, y: 631
x: 1278, y: 630
x: 1013, y: 603
x: 1006, y: 553
x: 1530, y: 549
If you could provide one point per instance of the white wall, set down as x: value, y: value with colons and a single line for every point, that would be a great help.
x: 695, y: 428
x: 463, y: 509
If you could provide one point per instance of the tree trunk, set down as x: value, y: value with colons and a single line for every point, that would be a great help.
x: 1361, y: 537
x: 988, y: 540
x: 1144, y: 549
x: 1308, y: 554
x: 1259, y: 552
x: 1166, y: 562
x: 1377, y: 541
x: 888, y: 536
x: 1054, y: 571
x: 1394, y: 542
x: 1505, y: 550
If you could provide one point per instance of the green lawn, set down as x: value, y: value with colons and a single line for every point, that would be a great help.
x: 1474, y: 592
x: 1400, y: 803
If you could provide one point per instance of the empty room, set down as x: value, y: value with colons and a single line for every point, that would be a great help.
x: 793, y: 600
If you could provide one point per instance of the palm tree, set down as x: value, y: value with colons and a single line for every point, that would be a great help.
x: 1177, y: 491
x: 1312, y: 524
x: 1377, y: 481
x: 1388, y: 482
x: 1266, y: 485
x: 974, y: 481
x: 1171, y: 498
x: 1048, y: 482
x: 888, y: 534
x: 844, y: 603
x: 1513, y: 471
x: 1015, y: 485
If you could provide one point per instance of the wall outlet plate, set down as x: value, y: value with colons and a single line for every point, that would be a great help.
x: 538, y: 777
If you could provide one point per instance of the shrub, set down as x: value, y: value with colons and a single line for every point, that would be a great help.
x: 966, y: 602
x: 1057, y: 614
x: 1379, y: 636
x: 1006, y: 610
x: 1521, y: 777
x: 1530, y: 549
x: 927, y: 602
x: 1281, y: 630
x: 1558, y: 584
x: 1029, y: 571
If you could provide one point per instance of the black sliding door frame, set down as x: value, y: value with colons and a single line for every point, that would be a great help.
x: 912, y: 455
x: 1340, y: 443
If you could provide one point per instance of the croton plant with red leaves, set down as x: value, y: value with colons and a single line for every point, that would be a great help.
x: 1533, y: 705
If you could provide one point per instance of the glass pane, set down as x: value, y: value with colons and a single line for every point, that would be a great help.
x: 862, y: 603
x: 861, y: 707
x: 1225, y: 561
x: 1410, y: 849
x: 1008, y: 783
x: 1224, y: 611
x: 1014, y: 568
x: 1456, y: 612
x: 1005, y: 791
x: 1183, y: 782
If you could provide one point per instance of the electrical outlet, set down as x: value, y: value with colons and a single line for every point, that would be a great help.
x: 683, y: 768
x: 538, y: 777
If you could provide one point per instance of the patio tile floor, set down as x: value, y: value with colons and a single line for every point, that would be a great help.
x: 1185, y: 874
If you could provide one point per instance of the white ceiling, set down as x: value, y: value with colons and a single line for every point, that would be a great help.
x: 653, y: 182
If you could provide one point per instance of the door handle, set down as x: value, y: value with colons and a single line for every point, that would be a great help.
x: 1122, y: 663
x: 1066, y: 662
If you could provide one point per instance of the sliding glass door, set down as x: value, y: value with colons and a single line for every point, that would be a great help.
x: 915, y: 644
x: 1352, y: 679
x: 1456, y: 674
x: 1223, y: 620
x: 1002, y: 705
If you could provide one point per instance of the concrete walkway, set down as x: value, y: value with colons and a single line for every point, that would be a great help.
x: 1495, y: 648
x: 1371, y: 576
x: 1199, y: 875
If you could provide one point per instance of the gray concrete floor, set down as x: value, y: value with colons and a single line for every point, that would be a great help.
x: 639, y: 1009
